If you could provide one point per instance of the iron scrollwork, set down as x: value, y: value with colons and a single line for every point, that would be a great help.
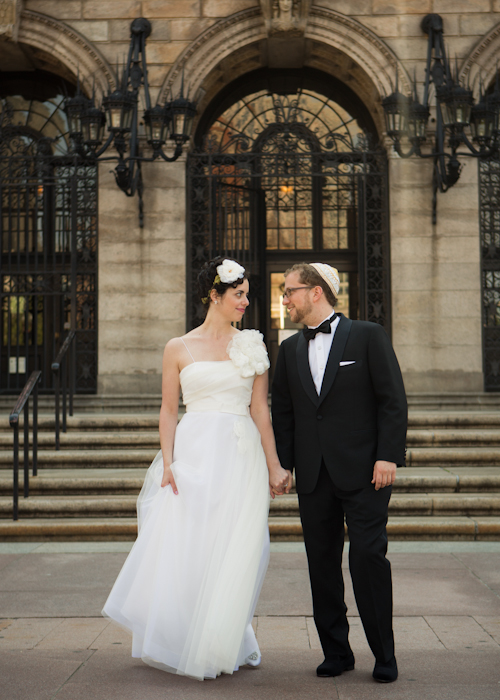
x: 48, y: 266
x: 489, y: 218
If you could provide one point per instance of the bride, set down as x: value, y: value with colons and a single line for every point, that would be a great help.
x: 190, y: 584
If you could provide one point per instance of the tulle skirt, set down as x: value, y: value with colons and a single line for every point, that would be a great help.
x: 190, y: 584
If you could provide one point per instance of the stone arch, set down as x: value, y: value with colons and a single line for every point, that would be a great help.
x: 68, y: 47
x: 483, y: 59
x: 328, y: 33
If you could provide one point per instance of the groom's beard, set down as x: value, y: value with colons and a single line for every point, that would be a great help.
x: 300, y: 314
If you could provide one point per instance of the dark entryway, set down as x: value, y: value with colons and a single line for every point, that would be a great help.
x: 48, y: 239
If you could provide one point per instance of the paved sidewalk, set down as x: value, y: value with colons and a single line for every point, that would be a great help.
x: 54, y: 644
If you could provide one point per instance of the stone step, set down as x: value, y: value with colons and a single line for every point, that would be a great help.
x: 133, y: 403
x: 281, y: 529
x: 133, y: 457
x: 90, y: 440
x: 92, y: 403
x: 120, y: 481
x: 150, y: 438
x: 145, y: 437
x: 407, y: 528
x: 91, y: 422
x: 148, y: 420
x: 453, y: 419
x: 65, y: 482
x: 452, y: 437
x: 82, y: 459
x: 470, y: 401
x: 449, y: 456
x: 405, y: 504
x: 112, y: 506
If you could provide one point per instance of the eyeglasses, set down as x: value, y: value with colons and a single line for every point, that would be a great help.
x: 288, y: 292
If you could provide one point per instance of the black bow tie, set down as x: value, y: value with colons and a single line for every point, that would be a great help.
x: 325, y: 327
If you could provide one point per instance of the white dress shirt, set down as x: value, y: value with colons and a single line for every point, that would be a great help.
x: 319, y: 350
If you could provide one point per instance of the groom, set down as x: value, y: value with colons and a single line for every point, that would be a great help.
x: 339, y: 416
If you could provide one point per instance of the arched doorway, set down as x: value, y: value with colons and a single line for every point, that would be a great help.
x: 48, y: 235
x: 286, y: 169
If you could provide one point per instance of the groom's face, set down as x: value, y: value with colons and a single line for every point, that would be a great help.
x: 298, y: 304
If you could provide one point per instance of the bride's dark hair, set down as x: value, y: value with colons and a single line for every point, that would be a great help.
x: 207, y: 276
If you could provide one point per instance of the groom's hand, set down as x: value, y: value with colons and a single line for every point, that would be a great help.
x: 384, y: 474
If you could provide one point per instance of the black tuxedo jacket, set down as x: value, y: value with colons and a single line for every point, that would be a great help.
x: 359, y: 417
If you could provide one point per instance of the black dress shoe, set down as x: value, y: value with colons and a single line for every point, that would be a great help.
x: 386, y: 672
x: 335, y: 665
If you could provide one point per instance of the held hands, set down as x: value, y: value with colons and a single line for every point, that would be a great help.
x: 168, y: 478
x: 280, y: 481
x: 384, y: 474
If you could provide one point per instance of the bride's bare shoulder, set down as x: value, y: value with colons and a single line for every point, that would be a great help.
x: 173, y: 348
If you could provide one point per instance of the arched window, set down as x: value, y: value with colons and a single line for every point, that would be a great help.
x: 287, y: 169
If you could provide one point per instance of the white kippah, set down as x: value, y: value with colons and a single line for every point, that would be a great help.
x: 329, y: 274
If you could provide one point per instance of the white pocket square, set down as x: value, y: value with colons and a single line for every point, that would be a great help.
x: 347, y: 362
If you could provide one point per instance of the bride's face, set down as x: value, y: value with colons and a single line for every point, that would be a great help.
x: 235, y: 301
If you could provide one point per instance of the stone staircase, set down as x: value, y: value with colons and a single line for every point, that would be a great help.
x: 88, y: 489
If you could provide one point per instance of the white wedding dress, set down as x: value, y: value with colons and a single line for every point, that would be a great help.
x: 190, y: 584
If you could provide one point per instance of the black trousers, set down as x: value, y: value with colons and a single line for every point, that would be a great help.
x: 322, y: 514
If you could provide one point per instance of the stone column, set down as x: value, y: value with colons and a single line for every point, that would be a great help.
x: 141, y: 277
x: 436, y: 281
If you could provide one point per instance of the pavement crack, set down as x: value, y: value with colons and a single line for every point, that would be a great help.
x: 485, y: 630
x: 84, y: 663
x: 434, y: 632
x: 495, y: 593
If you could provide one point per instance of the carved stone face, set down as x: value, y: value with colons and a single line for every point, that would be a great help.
x: 286, y: 5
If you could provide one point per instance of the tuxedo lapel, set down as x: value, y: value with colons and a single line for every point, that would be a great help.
x: 336, y: 353
x: 304, y: 369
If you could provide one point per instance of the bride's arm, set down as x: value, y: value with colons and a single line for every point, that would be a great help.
x: 279, y: 480
x: 170, y: 387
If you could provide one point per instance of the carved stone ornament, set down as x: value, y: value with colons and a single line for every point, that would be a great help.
x: 375, y: 59
x: 285, y: 16
x: 10, y: 15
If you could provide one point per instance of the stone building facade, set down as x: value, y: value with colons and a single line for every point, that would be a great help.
x: 434, y: 287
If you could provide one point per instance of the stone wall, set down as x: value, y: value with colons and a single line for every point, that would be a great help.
x: 435, y: 269
x: 142, y: 279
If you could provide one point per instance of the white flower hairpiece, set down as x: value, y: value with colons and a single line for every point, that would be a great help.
x: 227, y: 273
x: 230, y: 271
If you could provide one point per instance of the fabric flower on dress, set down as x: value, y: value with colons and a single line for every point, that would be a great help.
x: 230, y: 271
x: 248, y: 353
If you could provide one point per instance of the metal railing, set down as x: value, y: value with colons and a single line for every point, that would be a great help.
x: 22, y: 402
x: 65, y: 356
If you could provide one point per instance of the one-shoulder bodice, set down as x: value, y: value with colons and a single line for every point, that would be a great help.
x: 216, y: 386
x: 226, y: 386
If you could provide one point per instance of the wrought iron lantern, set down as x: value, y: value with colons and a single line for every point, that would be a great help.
x: 456, y: 104
x: 396, y: 107
x: 157, y: 120
x: 182, y: 113
x: 119, y: 107
x: 483, y: 120
x: 75, y: 107
x: 93, y: 123
x: 407, y: 118
x: 119, y: 112
x: 418, y: 117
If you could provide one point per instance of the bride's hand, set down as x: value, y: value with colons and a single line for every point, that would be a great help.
x: 280, y: 482
x: 168, y: 478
